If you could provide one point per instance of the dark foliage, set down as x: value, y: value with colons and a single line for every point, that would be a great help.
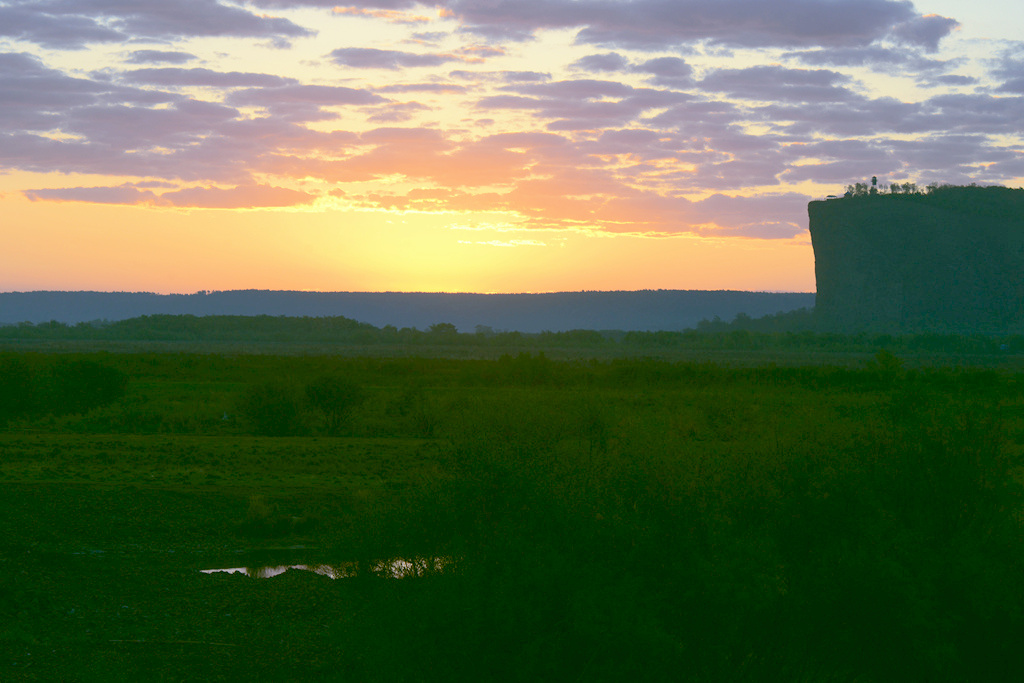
x: 334, y: 396
x: 17, y: 387
x: 272, y: 408
x: 797, y: 330
x: 528, y: 313
x: 32, y: 384
x: 78, y: 385
x: 604, y: 520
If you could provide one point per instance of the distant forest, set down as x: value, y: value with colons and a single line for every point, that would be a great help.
x: 646, y: 310
x: 792, y: 331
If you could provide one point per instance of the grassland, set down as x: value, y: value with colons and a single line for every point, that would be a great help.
x: 600, y: 518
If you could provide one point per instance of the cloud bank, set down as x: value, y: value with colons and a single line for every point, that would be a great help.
x: 649, y: 117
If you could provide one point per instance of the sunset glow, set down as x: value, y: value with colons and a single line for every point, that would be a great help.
x: 508, y: 146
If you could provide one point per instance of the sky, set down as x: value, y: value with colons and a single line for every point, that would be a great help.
x: 487, y: 146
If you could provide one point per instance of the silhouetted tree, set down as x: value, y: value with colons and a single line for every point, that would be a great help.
x: 272, y: 408
x: 444, y: 333
x: 17, y: 395
x: 333, y: 396
x: 80, y: 385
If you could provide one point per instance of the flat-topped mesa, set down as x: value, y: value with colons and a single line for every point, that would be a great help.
x: 949, y: 261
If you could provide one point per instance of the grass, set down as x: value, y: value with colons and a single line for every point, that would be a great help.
x: 241, y: 462
x: 606, y: 520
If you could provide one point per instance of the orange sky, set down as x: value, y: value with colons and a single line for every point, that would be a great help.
x: 138, y: 248
x: 486, y: 147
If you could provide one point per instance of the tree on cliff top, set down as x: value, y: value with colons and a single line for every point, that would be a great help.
x: 857, y: 190
x: 993, y: 201
x: 863, y: 189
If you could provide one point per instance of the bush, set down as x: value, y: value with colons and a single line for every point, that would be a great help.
x: 272, y: 409
x: 17, y: 394
x: 80, y: 385
x: 333, y: 396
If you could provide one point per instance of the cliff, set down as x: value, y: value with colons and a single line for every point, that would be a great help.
x: 951, y: 260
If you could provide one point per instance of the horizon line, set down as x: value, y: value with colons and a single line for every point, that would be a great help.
x: 319, y: 291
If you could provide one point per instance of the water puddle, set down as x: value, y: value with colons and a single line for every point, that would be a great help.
x: 267, y: 562
x: 394, y: 568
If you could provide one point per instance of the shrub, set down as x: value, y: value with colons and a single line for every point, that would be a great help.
x: 333, y: 397
x: 272, y: 408
x: 79, y: 385
x: 17, y: 395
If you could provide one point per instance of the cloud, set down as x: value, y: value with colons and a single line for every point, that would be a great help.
x: 857, y: 116
x: 639, y: 24
x: 509, y: 77
x: 618, y: 145
x: 35, y: 96
x: 609, y: 61
x: 670, y: 72
x: 389, y: 15
x: 658, y: 24
x: 157, y: 56
x: 525, y: 77
x: 439, y: 88
x: 429, y: 156
x: 412, y: 152
x: 397, y: 112
x: 634, y: 141
x: 371, y: 58
x: 318, y: 95
x: 122, y: 194
x: 950, y: 158
x: 1015, y: 85
x: 333, y: 4
x: 241, y: 197
x: 177, y: 77
x: 1010, y: 69
x: 777, y: 83
x: 191, y: 140
x: 122, y: 127
x: 54, y: 122
x: 576, y: 89
x: 765, y: 216
x: 554, y: 183
x: 303, y: 103
x: 698, y: 116
x: 74, y: 24
x: 25, y: 21
x: 248, y: 196
x: 878, y: 56
x: 925, y: 31
x: 841, y: 160
x: 975, y: 113
x: 580, y: 104
x: 476, y: 54
x: 945, y: 80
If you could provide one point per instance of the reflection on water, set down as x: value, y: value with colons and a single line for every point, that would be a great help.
x: 329, y: 570
x: 394, y: 568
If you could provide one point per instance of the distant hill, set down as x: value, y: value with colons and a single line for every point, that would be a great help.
x: 639, y: 310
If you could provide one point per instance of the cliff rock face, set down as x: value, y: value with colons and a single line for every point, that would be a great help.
x: 948, y: 261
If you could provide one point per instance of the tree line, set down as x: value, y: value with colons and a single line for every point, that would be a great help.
x: 789, y: 330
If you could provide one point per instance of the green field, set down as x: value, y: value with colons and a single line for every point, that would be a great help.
x: 854, y: 518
